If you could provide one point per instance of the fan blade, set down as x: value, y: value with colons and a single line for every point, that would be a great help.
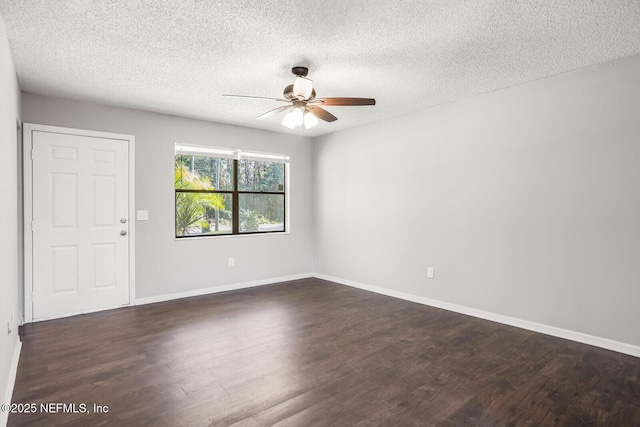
x: 347, y: 101
x: 274, y: 112
x: 321, y: 113
x: 254, y: 97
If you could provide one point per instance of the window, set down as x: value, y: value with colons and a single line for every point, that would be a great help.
x: 220, y: 191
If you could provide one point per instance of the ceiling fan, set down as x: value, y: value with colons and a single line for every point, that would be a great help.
x: 302, y: 105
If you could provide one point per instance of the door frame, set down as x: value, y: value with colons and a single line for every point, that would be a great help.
x: 28, y: 129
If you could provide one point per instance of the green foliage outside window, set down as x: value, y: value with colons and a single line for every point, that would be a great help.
x: 194, y: 208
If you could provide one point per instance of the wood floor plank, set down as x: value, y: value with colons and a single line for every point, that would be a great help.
x: 314, y: 353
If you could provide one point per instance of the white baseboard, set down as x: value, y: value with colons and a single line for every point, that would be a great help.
x: 223, y: 288
x: 11, y: 381
x: 605, y: 343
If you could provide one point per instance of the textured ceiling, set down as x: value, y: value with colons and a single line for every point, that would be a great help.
x: 179, y: 57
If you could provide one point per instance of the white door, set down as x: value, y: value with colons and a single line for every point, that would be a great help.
x: 80, y: 210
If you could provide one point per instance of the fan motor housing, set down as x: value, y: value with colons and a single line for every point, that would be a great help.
x: 289, y: 96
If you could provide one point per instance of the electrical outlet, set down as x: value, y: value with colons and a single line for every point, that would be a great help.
x: 430, y: 272
x: 231, y: 262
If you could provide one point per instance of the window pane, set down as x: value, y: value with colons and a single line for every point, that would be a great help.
x: 254, y: 175
x: 261, y: 212
x: 203, y: 173
x: 199, y: 214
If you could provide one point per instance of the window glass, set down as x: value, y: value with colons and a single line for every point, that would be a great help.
x: 204, y: 172
x: 255, y: 175
x: 261, y: 212
x: 200, y: 214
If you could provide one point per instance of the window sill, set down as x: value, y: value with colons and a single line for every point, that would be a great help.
x: 231, y: 236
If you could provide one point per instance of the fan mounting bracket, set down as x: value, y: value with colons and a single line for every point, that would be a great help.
x: 300, y: 71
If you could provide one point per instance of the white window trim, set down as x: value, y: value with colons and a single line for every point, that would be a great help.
x: 227, y: 153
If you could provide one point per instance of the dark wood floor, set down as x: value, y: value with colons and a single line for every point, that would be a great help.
x: 313, y: 353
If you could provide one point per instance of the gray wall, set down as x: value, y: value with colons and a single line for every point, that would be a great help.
x: 526, y: 202
x: 9, y: 278
x: 165, y: 265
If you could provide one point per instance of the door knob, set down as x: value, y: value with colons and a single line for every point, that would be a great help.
x: 123, y: 233
x: 123, y: 220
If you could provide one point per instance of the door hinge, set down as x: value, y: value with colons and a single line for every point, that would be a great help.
x: 32, y: 154
x: 32, y: 226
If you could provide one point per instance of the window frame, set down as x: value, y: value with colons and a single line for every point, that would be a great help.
x: 235, y: 192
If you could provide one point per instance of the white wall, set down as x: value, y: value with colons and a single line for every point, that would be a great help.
x: 165, y: 265
x: 526, y: 201
x: 9, y: 278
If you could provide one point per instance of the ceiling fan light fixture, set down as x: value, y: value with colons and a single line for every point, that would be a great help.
x: 301, y: 104
x: 310, y: 120
x: 294, y: 118
x: 302, y: 87
x: 289, y: 121
x: 297, y: 116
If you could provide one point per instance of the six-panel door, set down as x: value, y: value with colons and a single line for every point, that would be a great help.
x: 80, y: 224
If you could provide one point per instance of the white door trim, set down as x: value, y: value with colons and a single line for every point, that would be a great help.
x: 28, y: 129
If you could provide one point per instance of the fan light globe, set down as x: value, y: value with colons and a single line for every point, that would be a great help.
x: 310, y: 120
x: 289, y: 121
x: 302, y: 87
x: 294, y: 118
x: 297, y: 116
